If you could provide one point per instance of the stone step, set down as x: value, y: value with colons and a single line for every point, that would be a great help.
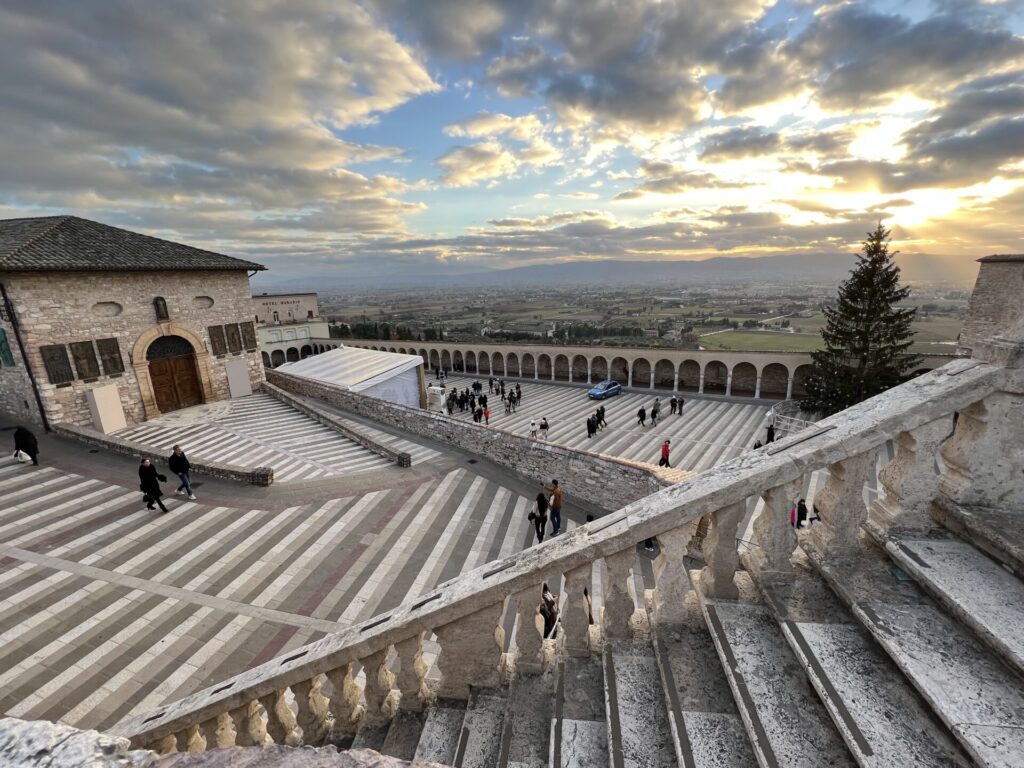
x: 371, y: 736
x: 706, y: 728
x: 882, y: 719
x: 442, y: 730
x: 786, y: 722
x: 579, y: 725
x: 526, y: 736
x: 996, y: 532
x: 638, y: 726
x: 979, y: 698
x: 480, y: 744
x: 404, y: 735
x: 970, y: 586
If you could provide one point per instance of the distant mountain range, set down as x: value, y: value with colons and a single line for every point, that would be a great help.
x: 798, y: 269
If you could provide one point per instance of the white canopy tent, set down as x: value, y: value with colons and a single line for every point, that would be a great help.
x: 387, y: 375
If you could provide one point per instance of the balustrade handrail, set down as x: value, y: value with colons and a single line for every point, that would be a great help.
x: 861, y: 428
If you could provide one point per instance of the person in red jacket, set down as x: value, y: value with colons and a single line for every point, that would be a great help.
x: 664, y: 454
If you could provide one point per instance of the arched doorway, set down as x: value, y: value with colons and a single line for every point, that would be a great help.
x: 173, y: 373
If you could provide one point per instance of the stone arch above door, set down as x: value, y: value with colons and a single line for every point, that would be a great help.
x: 141, y: 365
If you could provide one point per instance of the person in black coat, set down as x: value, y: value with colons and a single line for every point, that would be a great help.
x: 25, y: 441
x: 149, y: 484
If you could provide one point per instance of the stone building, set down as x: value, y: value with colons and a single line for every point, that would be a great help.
x: 280, y: 308
x: 91, y: 312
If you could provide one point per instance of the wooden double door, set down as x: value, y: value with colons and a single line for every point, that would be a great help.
x: 175, y: 382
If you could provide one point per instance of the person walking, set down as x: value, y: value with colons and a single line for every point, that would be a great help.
x: 149, y: 484
x: 180, y: 465
x: 679, y: 407
x: 590, y: 427
x: 801, y: 513
x: 508, y: 405
x: 487, y: 416
x: 539, y: 517
x: 771, y: 434
x: 519, y: 394
x: 672, y: 405
x: 544, y: 429
x: 549, y: 612
x: 533, y: 428
x: 758, y: 444
x: 25, y: 442
x: 556, y: 507
x: 641, y: 417
x: 655, y: 410
x: 600, y: 418
x: 664, y: 454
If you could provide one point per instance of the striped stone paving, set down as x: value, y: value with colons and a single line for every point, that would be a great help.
x: 107, y: 609
x: 708, y: 432
x: 259, y: 431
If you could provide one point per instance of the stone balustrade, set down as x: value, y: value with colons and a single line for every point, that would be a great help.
x: 311, y: 696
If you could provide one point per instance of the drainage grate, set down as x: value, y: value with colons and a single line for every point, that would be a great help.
x: 471, y: 461
x: 94, y: 450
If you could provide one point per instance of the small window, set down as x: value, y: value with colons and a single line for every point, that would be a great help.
x: 110, y: 356
x: 277, y: 317
x: 249, y: 337
x: 234, y: 337
x: 57, y: 364
x: 216, y: 333
x: 86, y: 364
x: 160, y: 306
x: 309, y: 313
x: 6, y: 358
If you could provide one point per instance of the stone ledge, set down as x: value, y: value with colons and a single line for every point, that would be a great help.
x: 261, y: 476
x: 29, y: 744
x: 400, y: 458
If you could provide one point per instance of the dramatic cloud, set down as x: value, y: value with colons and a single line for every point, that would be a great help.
x: 740, y: 142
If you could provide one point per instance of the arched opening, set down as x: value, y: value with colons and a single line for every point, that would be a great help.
x: 561, y: 368
x: 471, y: 362
x: 512, y: 364
x: 598, y: 369
x: 744, y: 379
x: 391, y: 349
x: 483, y: 362
x: 293, y: 355
x: 497, y: 364
x: 173, y: 373
x: 426, y: 357
x: 579, y: 369
x: 774, y: 380
x: 435, y: 360
x: 276, y: 358
x: 689, y: 376
x: 641, y: 373
x: 305, y: 352
x: 266, y: 359
x: 664, y: 374
x: 458, y: 363
x: 715, y: 377
x: 544, y: 367
x: 529, y: 369
x: 401, y: 350
x: 446, y: 360
x: 799, y: 377
x: 619, y: 371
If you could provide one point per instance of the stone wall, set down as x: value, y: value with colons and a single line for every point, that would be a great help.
x: 16, y: 396
x: 995, y: 302
x: 602, y: 480
x: 60, y: 308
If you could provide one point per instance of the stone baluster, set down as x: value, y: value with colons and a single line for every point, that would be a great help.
x: 841, y: 505
x: 670, y: 575
x: 575, y: 629
x: 218, y: 732
x: 412, y: 674
x: 619, y: 605
x: 720, y: 556
x: 773, y: 534
x: 189, y: 739
x: 312, y: 706
x: 529, y: 633
x: 379, y: 688
x: 165, y: 746
x: 471, y: 650
x: 345, y: 704
x: 910, y: 480
x: 281, y: 723
x: 247, y: 720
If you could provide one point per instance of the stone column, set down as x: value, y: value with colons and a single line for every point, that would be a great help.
x: 412, y: 674
x: 775, y: 537
x: 378, y: 691
x: 757, y: 387
x: 619, y: 605
x: 312, y: 706
x: 789, y: 388
x: 576, y: 615
x: 910, y: 480
x: 519, y: 367
x: 720, y: 555
x: 552, y: 369
x: 652, y: 378
x: 629, y: 376
x: 470, y: 652
x: 670, y: 574
x: 728, y: 383
x: 841, y: 505
x: 345, y: 705
x: 700, y: 386
x: 590, y: 375
x: 675, y: 382
x: 529, y: 632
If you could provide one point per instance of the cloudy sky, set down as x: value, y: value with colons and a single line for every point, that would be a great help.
x: 381, y: 136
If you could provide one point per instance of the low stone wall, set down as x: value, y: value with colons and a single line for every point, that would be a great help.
x: 262, y: 476
x: 400, y: 458
x: 602, y: 480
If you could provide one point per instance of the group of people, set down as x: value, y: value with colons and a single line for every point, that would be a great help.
x: 150, y: 479
x: 798, y: 514
x: 546, y: 506
x: 542, y: 427
x: 596, y: 422
x: 769, y: 437
x: 675, y: 406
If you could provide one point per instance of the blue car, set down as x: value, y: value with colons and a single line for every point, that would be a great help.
x: 605, y: 389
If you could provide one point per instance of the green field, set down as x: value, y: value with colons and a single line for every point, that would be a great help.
x: 760, y: 341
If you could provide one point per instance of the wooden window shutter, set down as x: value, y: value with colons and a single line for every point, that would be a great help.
x: 249, y: 337
x: 234, y: 337
x: 84, y: 354
x: 216, y: 333
x: 58, y: 366
x: 110, y: 356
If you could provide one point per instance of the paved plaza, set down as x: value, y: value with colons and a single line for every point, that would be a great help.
x: 709, y: 431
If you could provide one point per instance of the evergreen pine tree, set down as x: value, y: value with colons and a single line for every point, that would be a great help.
x: 867, y: 336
